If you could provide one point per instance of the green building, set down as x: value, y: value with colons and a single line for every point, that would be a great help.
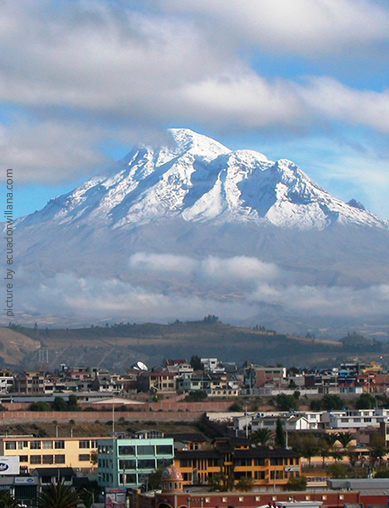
x: 128, y: 462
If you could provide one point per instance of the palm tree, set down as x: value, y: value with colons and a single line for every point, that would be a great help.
x: 86, y: 497
x: 7, y: 500
x: 324, y: 450
x: 345, y: 438
x: 58, y: 495
x: 261, y: 436
x: 330, y: 439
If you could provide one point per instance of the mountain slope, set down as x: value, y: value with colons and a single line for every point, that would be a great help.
x: 200, y: 180
x: 192, y: 228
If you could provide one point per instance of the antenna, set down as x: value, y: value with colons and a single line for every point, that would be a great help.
x: 113, y: 418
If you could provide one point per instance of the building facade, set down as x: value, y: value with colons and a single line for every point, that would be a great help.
x: 128, y: 462
x: 45, y: 452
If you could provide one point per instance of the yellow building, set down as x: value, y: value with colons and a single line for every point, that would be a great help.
x: 237, y: 459
x: 34, y: 452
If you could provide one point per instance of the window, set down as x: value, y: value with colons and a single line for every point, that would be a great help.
x: 243, y: 462
x: 10, y: 445
x: 35, y: 459
x: 164, y: 450
x: 48, y: 459
x: 35, y: 445
x: 259, y: 475
x: 185, y: 463
x: 259, y: 462
x: 48, y: 445
x: 130, y: 478
x: 84, y: 443
x: 126, y: 450
x: 84, y: 457
x: 23, y: 458
x: 127, y: 464
x: 59, y: 445
x: 145, y: 450
x: 146, y: 464
x: 60, y: 459
x: 20, y: 445
x: 276, y: 461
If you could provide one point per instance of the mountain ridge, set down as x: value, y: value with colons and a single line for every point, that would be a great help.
x: 203, y: 181
x: 193, y: 227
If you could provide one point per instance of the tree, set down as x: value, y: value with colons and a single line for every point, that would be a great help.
x: 245, y: 483
x: 73, y: 403
x: 58, y: 495
x: 296, y: 483
x: 324, y: 450
x: 236, y: 407
x: 345, y: 438
x: 307, y: 445
x: 155, y: 478
x: 331, y: 401
x: 261, y: 436
x: 337, y: 455
x: 59, y: 404
x: 86, y: 497
x: 195, y: 362
x: 382, y: 473
x: 330, y: 438
x: 40, y: 406
x: 223, y: 482
x: 378, y: 449
x: 287, y: 402
x: 365, y: 401
x: 196, y: 396
x: 280, y: 439
x: 7, y: 500
x: 337, y: 471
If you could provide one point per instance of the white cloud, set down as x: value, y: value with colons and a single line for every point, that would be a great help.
x: 76, y: 74
x: 234, y: 270
x: 326, y: 301
x: 305, y: 27
x: 333, y: 100
x: 85, y: 300
x: 167, y: 263
x: 67, y: 297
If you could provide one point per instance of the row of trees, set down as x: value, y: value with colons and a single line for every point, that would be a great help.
x: 59, y: 404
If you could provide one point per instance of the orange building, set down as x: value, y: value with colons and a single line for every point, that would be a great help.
x: 236, y: 459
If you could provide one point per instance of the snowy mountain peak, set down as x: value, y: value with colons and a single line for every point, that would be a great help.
x: 198, y: 144
x: 197, y: 179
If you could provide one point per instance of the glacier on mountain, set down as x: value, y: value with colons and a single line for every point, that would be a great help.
x: 201, y: 180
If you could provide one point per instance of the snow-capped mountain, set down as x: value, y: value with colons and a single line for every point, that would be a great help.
x: 191, y: 228
x: 200, y: 180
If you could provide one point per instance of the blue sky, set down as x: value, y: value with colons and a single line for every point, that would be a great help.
x: 82, y: 81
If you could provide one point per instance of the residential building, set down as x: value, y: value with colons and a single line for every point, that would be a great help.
x: 47, y: 452
x: 128, y: 462
x: 159, y: 383
x: 237, y: 457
